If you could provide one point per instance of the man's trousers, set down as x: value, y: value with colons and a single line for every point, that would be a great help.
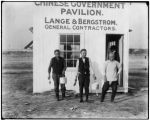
x: 56, y: 85
x: 84, y: 81
x: 105, y: 88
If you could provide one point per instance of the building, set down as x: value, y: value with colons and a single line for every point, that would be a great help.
x: 71, y: 26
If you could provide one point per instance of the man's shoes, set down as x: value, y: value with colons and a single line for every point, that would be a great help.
x: 81, y: 101
x: 102, y: 98
x: 57, y: 96
x: 57, y: 99
x: 112, y: 101
x: 63, y: 96
x: 87, y: 100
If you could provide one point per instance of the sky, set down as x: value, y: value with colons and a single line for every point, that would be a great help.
x: 139, y: 24
x: 17, y: 18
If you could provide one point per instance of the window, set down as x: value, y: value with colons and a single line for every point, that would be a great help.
x: 70, y: 48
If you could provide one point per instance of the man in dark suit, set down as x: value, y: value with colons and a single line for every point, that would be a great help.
x: 57, y: 63
x: 84, y: 68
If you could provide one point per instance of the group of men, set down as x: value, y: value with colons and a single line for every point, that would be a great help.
x: 84, y: 69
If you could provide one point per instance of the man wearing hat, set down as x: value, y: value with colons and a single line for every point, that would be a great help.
x: 84, y: 69
x: 57, y: 63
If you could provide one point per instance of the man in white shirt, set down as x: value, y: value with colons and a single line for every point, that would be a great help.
x: 112, y: 70
x: 84, y: 69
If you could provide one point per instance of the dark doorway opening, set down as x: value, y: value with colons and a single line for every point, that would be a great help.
x: 115, y: 42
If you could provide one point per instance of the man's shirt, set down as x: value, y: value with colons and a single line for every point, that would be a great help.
x: 58, y: 65
x: 111, y: 69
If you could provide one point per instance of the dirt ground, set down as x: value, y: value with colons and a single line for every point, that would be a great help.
x: 19, y: 102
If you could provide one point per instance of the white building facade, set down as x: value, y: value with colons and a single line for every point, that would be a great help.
x: 71, y: 26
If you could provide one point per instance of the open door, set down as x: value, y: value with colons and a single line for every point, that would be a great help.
x: 115, y: 41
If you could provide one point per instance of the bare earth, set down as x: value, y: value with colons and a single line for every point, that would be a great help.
x: 19, y: 102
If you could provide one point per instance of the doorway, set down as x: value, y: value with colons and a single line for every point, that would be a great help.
x: 115, y: 42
